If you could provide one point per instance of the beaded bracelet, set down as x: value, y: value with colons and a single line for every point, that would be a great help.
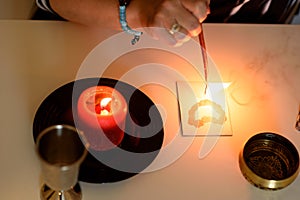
x: 123, y: 22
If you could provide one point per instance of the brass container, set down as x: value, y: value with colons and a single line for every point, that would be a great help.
x: 269, y: 161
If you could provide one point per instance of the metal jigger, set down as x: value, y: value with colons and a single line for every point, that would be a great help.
x: 61, y: 152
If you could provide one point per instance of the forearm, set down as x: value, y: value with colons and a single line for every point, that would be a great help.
x: 97, y: 13
x: 187, y: 15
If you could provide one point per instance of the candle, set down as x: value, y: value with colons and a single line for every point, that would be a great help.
x: 102, y: 112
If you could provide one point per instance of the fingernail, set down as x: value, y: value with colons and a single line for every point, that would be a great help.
x: 196, y: 32
x: 208, y: 10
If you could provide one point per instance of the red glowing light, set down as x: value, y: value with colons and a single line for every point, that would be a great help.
x: 102, y: 111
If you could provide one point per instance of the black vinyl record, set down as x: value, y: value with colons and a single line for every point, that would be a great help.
x: 143, y: 129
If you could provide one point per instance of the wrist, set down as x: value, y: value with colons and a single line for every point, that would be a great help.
x: 124, y: 23
x: 124, y: 2
x: 133, y: 13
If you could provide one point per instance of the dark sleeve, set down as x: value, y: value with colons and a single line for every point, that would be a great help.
x: 252, y: 11
x: 45, y: 12
x: 44, y: 5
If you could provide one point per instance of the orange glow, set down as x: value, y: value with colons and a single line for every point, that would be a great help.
x: 216, y: 88
x: 102, y: 112
x: 206, y: 111
x: 204, y: 114
x: 105, y: 106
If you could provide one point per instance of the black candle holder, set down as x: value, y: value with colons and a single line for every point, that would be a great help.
x: 57, y: 108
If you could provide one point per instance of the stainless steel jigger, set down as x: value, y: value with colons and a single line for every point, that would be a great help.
x: 61, y: 152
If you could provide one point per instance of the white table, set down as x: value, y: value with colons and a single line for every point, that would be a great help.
x: 262, y: 62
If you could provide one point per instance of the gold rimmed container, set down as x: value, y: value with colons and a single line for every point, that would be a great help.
x: 269, y: 161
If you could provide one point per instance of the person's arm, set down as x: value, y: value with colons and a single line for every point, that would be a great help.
x: 98, y: 13
x: 162, y: 14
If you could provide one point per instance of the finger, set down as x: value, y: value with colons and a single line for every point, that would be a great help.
x: 179, y: 32
x: 162, y: 20
x: 188, y: 21
x: 199, y: 8
x: 164, y: 35
x: 171, y: 39
x: 182, y: 35
x: 172, y: 33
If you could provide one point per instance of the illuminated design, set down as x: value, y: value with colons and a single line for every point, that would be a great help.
x: 203, y: 114
x: 193, y: 112
x: 268, y: 167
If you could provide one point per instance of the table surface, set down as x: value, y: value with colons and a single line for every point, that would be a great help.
x: 261, y: 62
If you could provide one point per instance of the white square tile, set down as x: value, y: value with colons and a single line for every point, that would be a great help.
x: 203, y: 114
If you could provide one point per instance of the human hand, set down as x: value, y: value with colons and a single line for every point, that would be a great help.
x: 172, y: 21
